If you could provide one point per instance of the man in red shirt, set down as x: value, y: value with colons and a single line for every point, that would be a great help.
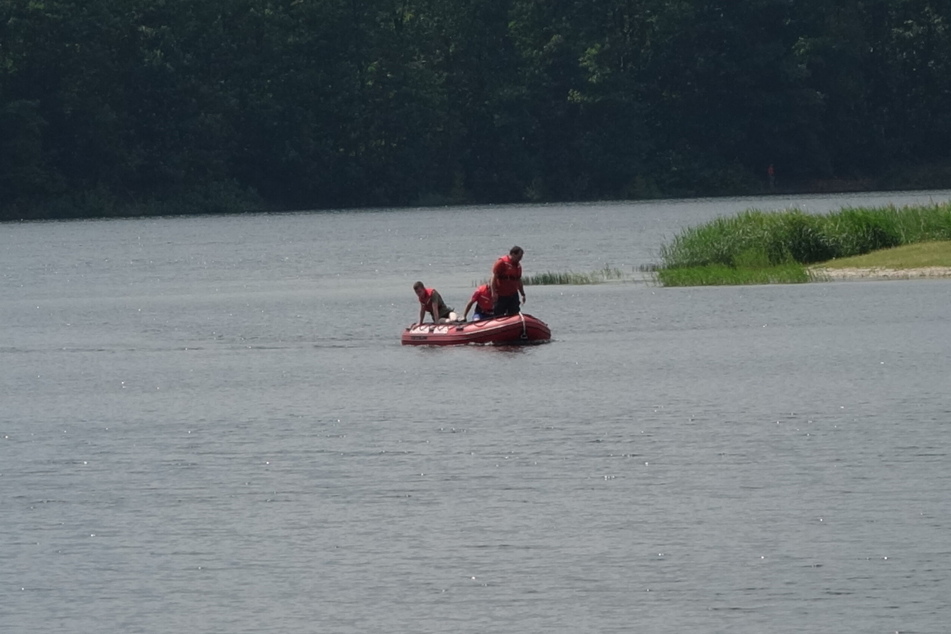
x: 507, y: 283
x: 482, y: 298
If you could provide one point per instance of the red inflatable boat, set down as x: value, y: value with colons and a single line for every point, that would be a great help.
x: 508, y: 331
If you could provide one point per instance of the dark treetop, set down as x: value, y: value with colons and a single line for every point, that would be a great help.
x: 157, y: 106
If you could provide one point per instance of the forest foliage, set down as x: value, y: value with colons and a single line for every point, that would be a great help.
x: 112, y: 107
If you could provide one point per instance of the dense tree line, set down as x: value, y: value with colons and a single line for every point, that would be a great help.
x: 125, y: 106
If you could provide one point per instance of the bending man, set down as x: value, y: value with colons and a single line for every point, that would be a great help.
x: 482, y: 298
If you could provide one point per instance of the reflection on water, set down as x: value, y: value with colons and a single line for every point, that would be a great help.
x: 210, y: 425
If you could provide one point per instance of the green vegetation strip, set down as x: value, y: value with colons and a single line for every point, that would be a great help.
x: 595, y: 277
x: 758, y: 247
x: 607, y: 274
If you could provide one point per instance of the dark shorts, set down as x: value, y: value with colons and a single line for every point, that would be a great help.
x: 479, y: 315
x: 507, y: 305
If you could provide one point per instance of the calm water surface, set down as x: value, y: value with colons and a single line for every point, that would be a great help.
x: 209, y: 425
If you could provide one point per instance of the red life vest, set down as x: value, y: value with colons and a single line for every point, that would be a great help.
x: 483, y: 297
x: 427, y: 297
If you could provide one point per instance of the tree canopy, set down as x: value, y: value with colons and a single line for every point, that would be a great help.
x: 134, y: 106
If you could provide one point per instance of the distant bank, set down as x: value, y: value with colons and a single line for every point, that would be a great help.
x: 791, y: 246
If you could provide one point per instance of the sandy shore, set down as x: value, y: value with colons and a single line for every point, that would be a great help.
x: 880, y: 273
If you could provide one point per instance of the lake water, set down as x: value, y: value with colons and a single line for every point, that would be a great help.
x: 209, y: 425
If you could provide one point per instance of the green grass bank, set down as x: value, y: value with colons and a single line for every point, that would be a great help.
x: 909, y: 256
x: 757, y: 247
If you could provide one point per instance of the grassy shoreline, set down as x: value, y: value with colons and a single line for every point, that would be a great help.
x: 913, y: 261
x: 757, y: 247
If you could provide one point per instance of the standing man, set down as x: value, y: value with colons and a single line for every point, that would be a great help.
x: 507, y: 283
